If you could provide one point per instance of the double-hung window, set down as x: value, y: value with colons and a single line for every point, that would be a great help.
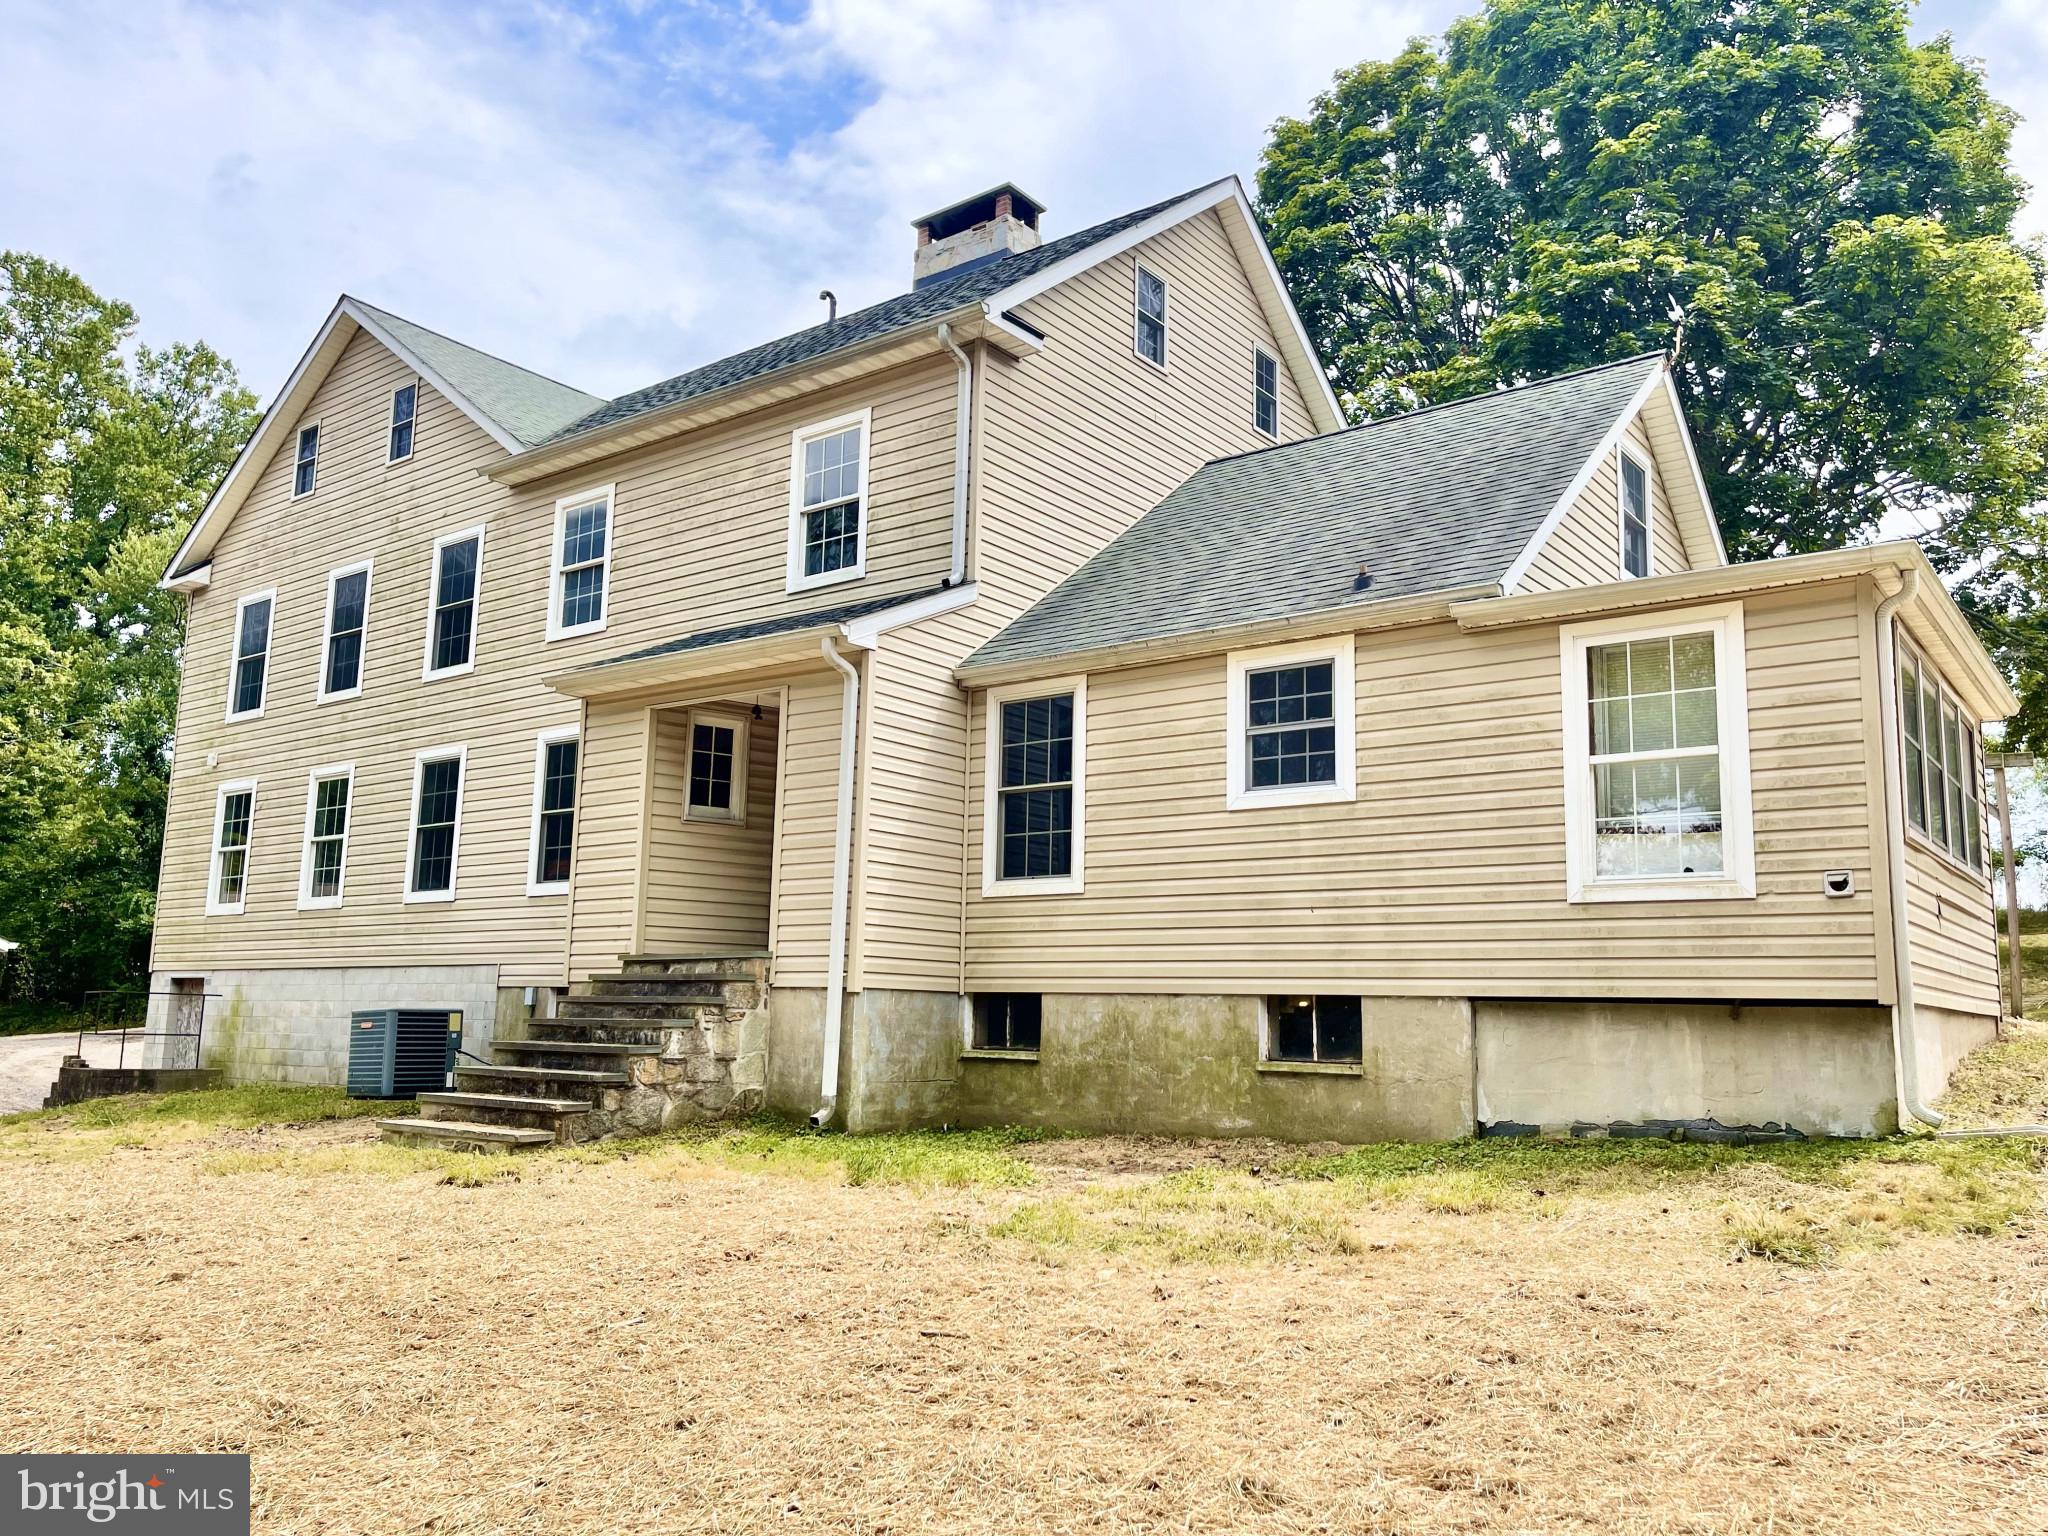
x: 1032, y: 813
x: 1265, y: 392
x: 227, y: 875
x: 405, y: 403
x: 348, y: 617
x: 717, y: 789
x: 323, y: 860
x: 1293, y: 740
x: 1315, y: 1030
x: 1634, y: 491
x: 1149, y: 302
x: 250, y: 675
x: 581, y: 579
x: 553, y: 845
x: 1943, y: 770
x: 451, y: 603
x: 1657, y: 758
x: 828, y: 482
x: 306, y: 467
x: 436, y: 824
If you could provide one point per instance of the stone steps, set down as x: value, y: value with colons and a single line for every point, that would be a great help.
x: 555, y: 1116
x: 463, y: 1135
x: 546, y: 1082
x: 752, y: 966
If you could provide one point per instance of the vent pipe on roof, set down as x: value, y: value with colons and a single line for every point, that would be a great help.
x: 831, y: 304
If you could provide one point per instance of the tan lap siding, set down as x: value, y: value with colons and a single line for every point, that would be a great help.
x: 1447, y: 875
x: 1953, y: 936
x: 1585, y: 548
x: 806, y: 815
x: 608, y: 818
x: 707, y: 881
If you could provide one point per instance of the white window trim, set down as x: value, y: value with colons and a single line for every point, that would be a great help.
x: 1073, y: 882
x: 1973, y: 770
x: 412, y: 821
x: 319, y: 447
x: 1623, y: 457
x: 428, y: 673
x: 794, y: 578
x: 1341, y: 653
x: 320, y: 693
x: 269, y: 595
x: 1165, y: 318
x: 534, y: 885
x: 215, y: 907
x: 1257, y: 353
x: 1731, y: 689
x: 737, y: 723
x: 391, y: 421
x: 556, y: 629
x: 308, y: 902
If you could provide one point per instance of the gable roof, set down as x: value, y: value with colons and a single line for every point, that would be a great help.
x: 1440, y: 499
x: 514, y: 406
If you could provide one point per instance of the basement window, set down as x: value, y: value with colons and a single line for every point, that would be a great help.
x: 828, y: 481
x: 1315, y: 1029
x: 1008, y: 1021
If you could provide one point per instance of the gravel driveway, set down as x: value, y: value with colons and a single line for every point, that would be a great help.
x: 28, y: 1065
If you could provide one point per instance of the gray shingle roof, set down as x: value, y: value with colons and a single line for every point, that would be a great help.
x: 523, y: 403
x: 757, y: 629
x: 1431, y: 500
x: 919, y: 307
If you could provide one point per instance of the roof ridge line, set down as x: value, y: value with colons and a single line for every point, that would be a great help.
x: 1438, y: 405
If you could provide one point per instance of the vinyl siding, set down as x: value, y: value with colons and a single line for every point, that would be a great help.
x: 707, y: 881
x: 699, y: 541
x: 1951, y: 925
x: 1447, y: 875
x: 1585, y: 547
x: 1072, y: 445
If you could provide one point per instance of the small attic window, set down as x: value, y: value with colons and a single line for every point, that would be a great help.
x: 1635, y: 517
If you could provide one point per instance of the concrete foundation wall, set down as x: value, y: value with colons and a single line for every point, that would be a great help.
x: 1945, y: 1038
x: 292, y: 1025
x: 1820, y: 1070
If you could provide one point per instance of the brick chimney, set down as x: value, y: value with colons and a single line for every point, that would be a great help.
x: 974, y: 232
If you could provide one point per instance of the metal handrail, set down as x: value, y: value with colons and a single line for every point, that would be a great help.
x: 96, y: 1026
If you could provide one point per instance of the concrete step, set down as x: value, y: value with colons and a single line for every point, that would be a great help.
x: 642, y: 1006
x: 580, y: 1084
x: 658, y: 988
x: 525, y: 1103
x: 736, y: 965
x: 463, y: 1135
x: 577, y: 1055
x: 567, y: 1031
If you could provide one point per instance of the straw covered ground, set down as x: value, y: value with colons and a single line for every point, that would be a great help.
x: 766, y: 1330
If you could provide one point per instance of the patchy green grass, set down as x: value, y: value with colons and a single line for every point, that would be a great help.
x: 20, y: 1018
x: 2033, y: 960
x: 468, y: 1170
x: 2004, y: 1083
x: 162, y: 1119
x: 922, y: 1159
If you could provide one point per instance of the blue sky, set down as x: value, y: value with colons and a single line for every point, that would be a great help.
x: 614, y: 190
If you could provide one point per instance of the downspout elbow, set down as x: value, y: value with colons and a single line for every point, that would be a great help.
x: 1905, y: 1033
x: 963, y: 405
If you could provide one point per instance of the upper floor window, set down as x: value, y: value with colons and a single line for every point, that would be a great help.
x: 227, y: 876
x: 307, y: 468
x: 554, y: 811
x: 404, y: 403
x: 1032, y: 813
x: 1150, y: 337
x: 1292, y: 736
x: 1657, y: 758
x: 1635, y: 517
x: 828, y: 486
x: 348, y: 615
x: 1943, y: 771
x: 451, y: 603
x: 250, y: 678
x: 436, y: 824
x: 582, y: 563
x: 1265, y: 393
x: 324, y: 858
x: 718, y: 768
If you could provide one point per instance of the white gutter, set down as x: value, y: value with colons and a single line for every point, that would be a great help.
x: 962, y: 404
x: 1905, y: 1035
x: 842, y: 880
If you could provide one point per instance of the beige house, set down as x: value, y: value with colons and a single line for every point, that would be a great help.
x: 1023, y: 700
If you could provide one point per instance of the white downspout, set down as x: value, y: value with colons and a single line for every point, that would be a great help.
x: 842, y: 879
x: 1905, y: 1036
x: 962, y: 405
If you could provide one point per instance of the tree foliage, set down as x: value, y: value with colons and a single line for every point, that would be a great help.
x: 107, y: 450
x: 1815, y: 211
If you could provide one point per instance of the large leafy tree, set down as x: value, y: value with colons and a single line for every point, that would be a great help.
x: 107, y: 450
x: 1814, y: 211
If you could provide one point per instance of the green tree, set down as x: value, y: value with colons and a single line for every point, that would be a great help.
x: 1813, y: 210
x: 106, y: 454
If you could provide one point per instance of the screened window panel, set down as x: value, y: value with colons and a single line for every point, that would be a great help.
x: 1035, y: 801
x: 557, y: 813
x: 1291, y: 732
x: 433, y: 868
